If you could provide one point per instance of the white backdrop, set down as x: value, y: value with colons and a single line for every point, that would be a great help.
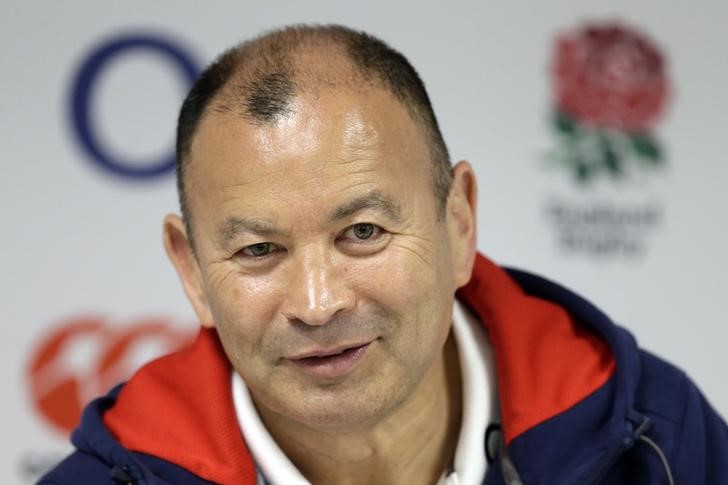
x: 80, y: 242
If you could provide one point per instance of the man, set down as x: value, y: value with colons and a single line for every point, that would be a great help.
x: 323, y: 238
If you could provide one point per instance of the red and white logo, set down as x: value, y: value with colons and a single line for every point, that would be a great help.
x: 611, y: 86
x: 83, y: 357
x: 609, y: 75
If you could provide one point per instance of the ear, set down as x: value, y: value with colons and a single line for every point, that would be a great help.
x: 461, y: 221
x: 179, y: 250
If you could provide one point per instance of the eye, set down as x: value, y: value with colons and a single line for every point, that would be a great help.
x: 259, y: 250
x: 362, y: 231
x: 363, y: 239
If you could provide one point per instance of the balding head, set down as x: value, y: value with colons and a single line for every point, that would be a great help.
x: 259, y: 79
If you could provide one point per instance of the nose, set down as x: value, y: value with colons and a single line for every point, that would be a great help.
x: 317, y: 289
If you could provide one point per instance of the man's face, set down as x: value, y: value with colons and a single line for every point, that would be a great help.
x: 320, y: 257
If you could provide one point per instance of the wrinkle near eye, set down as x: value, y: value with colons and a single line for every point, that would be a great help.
x: 217, y: 281
x: 422, y: 252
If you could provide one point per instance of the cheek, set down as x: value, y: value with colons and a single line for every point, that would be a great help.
x: 411, y: 283
x: 243, y: 309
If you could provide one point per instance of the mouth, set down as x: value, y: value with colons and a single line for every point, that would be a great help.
x: 331, y: 363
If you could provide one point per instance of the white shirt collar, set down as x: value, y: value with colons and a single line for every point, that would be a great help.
x: 479, y: 409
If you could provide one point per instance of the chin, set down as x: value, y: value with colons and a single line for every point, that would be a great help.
x: 337, y: 410
x: 340, y: 418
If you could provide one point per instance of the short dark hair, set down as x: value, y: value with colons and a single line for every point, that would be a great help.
x: 259, y: 78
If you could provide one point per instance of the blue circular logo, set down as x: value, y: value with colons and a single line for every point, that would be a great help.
x: 83, y: 88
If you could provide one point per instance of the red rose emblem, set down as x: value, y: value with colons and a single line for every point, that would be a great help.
x: 610, y: 76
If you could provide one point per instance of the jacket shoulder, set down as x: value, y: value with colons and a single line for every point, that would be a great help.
x: 84, y: 468
x: 692, y: 434
x: 662, y: 389
x: 79, y: 467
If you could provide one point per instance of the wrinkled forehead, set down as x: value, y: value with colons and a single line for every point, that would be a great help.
x: 332, y: 138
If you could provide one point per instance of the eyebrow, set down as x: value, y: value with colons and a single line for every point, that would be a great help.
x: 235, y: 225
x: 375, y: 200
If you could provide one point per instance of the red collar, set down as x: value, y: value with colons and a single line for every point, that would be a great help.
x: 179, y: 408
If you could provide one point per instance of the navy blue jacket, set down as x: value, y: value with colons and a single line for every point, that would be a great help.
x: 580, y: 404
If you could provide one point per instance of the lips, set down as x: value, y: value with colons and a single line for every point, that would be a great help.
x: 331, y: 363
x: 338, y: 350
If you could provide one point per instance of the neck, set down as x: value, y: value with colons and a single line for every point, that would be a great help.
x: 414, y: 444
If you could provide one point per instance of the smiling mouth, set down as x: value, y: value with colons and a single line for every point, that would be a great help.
x: 331, y: 364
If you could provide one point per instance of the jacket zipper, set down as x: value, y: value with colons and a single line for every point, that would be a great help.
x: 626, y: 443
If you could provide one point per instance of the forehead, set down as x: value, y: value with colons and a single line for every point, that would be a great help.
x: 329, y: 145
